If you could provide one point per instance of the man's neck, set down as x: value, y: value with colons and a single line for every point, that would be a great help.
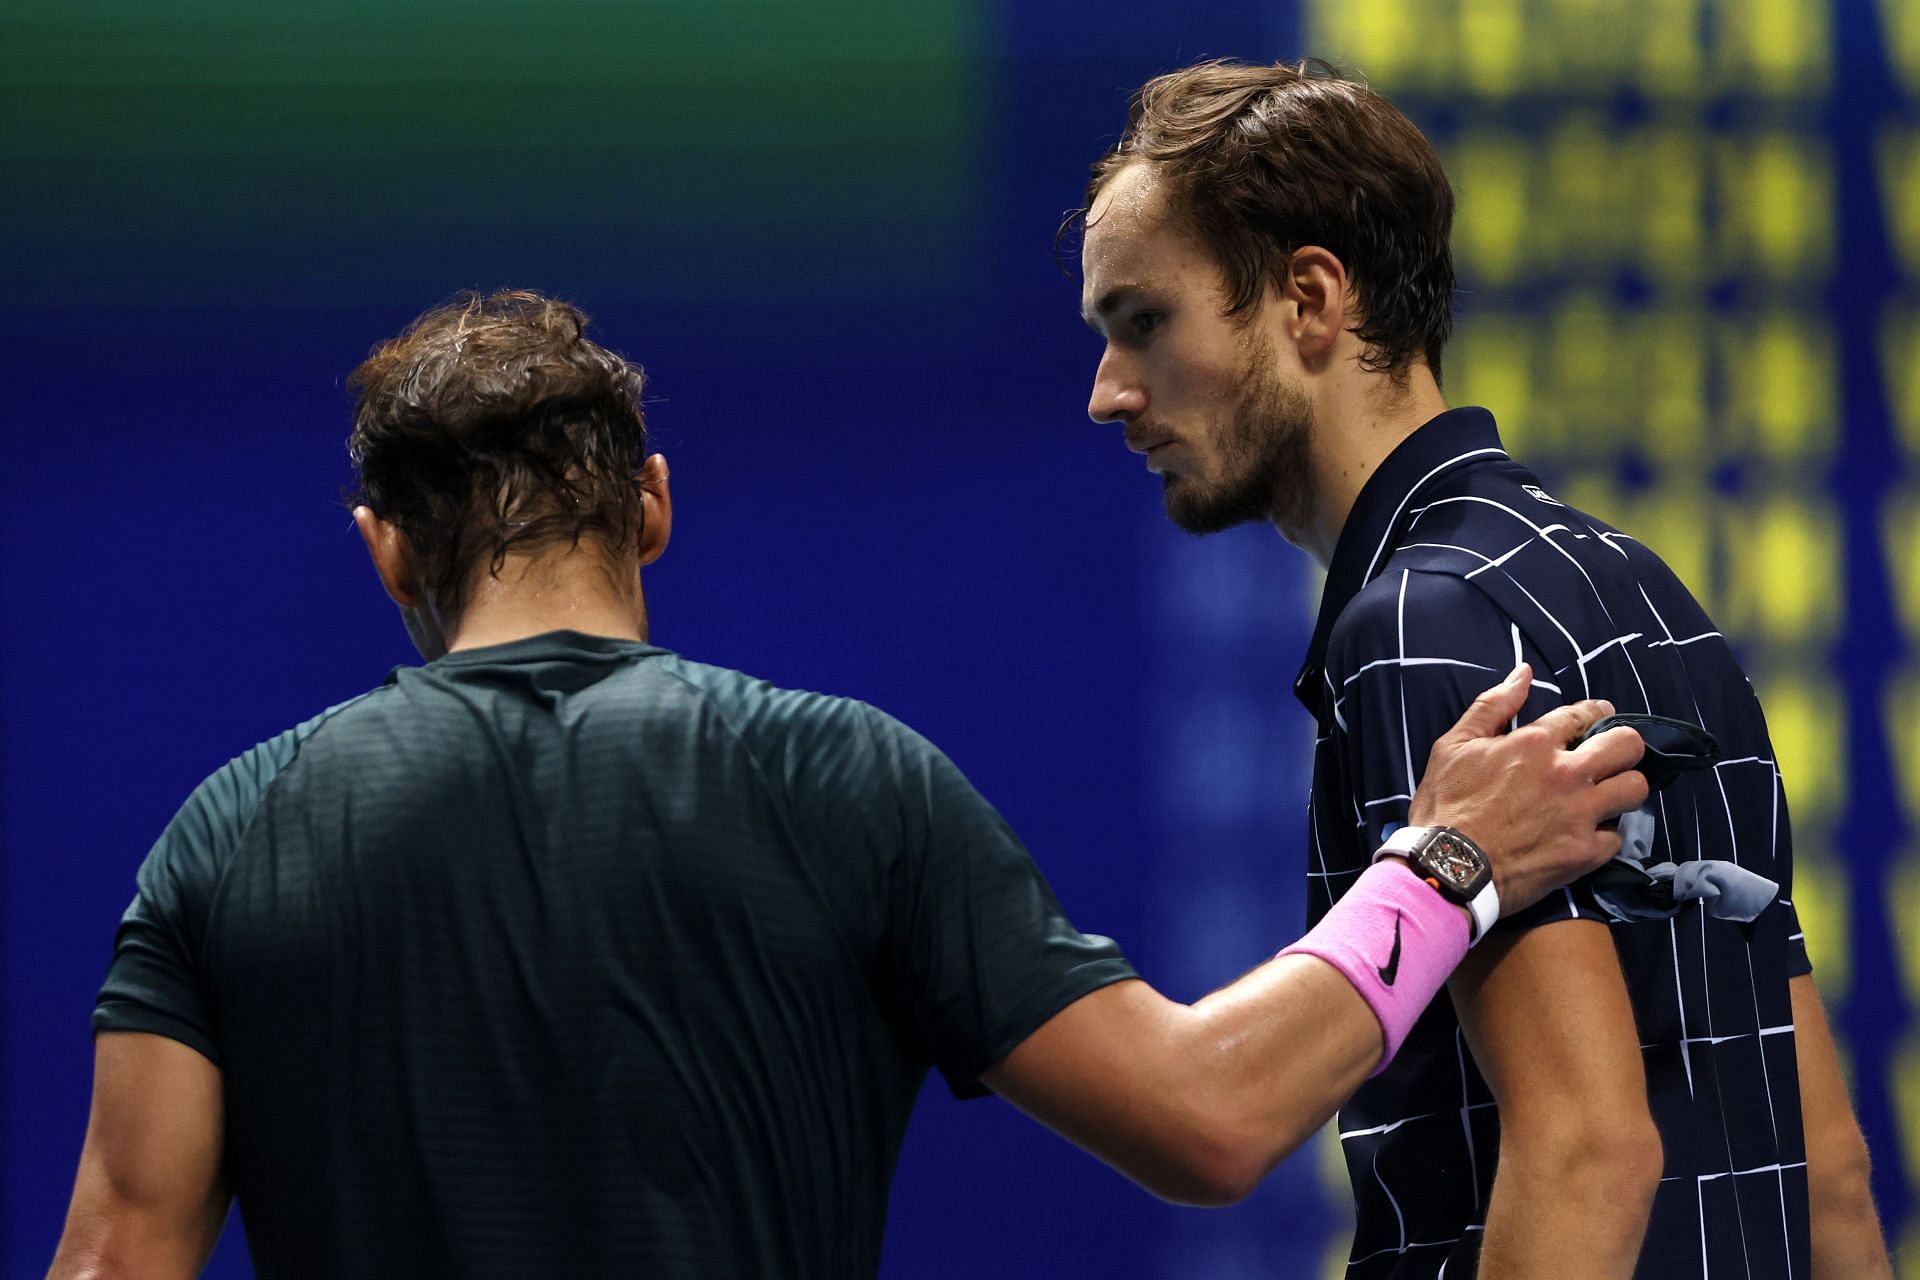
x: 555, y: 589
x: 1353, y: 435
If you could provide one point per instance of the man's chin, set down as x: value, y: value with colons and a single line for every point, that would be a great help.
x: 1199, y: 511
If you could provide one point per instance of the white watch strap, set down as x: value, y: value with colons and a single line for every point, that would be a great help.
x: 1401, y: 842
x: 1486, y: 911
x: 1485, y: 907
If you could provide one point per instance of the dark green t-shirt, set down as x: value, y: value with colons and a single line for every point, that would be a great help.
x: 572, y: 957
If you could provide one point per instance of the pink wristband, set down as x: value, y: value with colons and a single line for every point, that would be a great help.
x: 1396, y: 940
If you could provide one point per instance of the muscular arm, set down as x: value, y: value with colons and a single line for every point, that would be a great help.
x: 149, y: 1200
x: 1198, y: 1102
x: 1546, y: 1015
x: 1847, y: 1242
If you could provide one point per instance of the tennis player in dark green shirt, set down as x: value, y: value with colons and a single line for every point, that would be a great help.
x: 566, y: 955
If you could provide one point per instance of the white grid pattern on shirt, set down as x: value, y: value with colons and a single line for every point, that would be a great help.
x: 1404, y: 664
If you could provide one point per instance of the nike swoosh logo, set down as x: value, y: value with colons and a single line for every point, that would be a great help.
x: 1391, y: 969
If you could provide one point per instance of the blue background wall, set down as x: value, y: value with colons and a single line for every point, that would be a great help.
x: 1690, y: 244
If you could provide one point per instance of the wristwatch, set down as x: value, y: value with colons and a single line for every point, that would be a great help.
x: 1452, y: 863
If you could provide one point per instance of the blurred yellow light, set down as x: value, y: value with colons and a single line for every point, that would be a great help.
x: 1822, y: 901
x: 1582, y: 44
x: 1331, y: 1162
x: 1589, y: 379
x: 1902, y: 719
x: 1901, y: 525
x: 1778, y: 195
x: 1900, y: 358
x: 1586, y: 194
x: 1671, y: 62
x: 1672, y: 372
x: 1906, y: 1105
x: 1493, y: 46
x: 1903, y: 916
x: 1672, y: 202
x: 1492, y: 49
x: 1898, y: 152
x: 1807, y: 720
x: 1783, y: 570
x: 1900, y: 37
x: 1778, y: 47
x: 1333, y: 1264
x: 1906, y: 1257
x: 1489, y: 172
x: 1376, y: 40
x: 1782, y: 386
x: 1493, y: 365
x: 1585, y: 371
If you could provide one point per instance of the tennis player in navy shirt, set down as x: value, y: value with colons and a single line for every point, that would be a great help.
x: 1634, y: 1077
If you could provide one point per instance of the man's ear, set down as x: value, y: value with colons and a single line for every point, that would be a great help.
x: 656, y: 508
x: 1314, y: 302
x: 392, y: 557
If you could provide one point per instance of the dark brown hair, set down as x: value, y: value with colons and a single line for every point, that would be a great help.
x: 492, y: 424
x: 1261, y: 160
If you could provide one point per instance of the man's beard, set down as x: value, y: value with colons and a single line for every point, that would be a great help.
x: 1264, y: 449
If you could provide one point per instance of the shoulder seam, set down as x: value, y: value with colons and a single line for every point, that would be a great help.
x: 311, y: 727
x: 300, y: 740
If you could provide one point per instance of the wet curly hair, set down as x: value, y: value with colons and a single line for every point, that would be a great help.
x: 490, y: 425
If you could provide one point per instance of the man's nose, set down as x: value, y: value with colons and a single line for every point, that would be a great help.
x: 1117, y: 395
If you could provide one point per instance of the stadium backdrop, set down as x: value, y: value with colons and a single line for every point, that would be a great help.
x: 1689, y: 241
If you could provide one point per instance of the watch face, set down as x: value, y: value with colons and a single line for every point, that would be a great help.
x: 1453, y: 860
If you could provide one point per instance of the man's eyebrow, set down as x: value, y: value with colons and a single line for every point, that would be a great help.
x: 1109, y: 302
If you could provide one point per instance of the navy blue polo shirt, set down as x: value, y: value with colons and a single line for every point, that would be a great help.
x: 1455, y: 564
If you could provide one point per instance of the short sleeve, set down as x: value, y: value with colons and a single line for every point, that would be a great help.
x: 1799, y: 963
x: 977, y: 951
x: 1409, y: 655
x: 156, y: 980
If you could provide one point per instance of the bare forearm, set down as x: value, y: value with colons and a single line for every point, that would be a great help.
x: 150, y: 1197
x: 1196, y: 1103
x: 1848, y: 1243
x: 1238, y: 1081
x: 124, y: 1244
x: 82, y: 1264
x: 1845, y: 1229
x: 1570, y: 1216
x: 1281, y: 1050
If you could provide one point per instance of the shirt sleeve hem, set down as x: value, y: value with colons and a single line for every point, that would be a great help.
x: 117, y: 1015
x: 1030, y: 1014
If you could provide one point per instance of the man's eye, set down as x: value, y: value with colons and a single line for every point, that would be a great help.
x: 1145, y: 322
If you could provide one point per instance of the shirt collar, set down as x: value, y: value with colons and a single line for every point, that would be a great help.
x: 548, y: 646
x: 1450, y: 440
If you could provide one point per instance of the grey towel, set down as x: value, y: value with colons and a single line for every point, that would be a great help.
x: 1631, y: 888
